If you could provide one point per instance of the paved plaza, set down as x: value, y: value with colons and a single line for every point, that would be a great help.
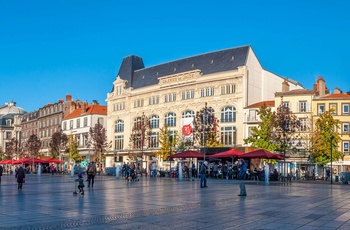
x: 47, y: 202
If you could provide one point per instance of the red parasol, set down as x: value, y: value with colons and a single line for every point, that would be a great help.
x: 187, y: 154
x: 261, y: 153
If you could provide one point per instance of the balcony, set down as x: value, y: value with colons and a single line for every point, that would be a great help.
x: 252, y: 119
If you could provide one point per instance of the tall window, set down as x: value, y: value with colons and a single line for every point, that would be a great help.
x: 170, y: 97
x: 154, y: 121
x: 320, y: 109
x: 333, y: 108
x: 189, y: 94
x: 302, y: 106
x: 154, y: 140
x: 188, y: 113
x: 138, y: 103
x: 228, y: 114
x: 170, y: 119
x: 228, y: 135
x: 345, y: 128
x: 71, y: 124
x: 285, y: 104
x: 119, y: 106
x: 207, y: 92
x: 119, y: 126
x: 85, y: 121
x: 118, y: 90
x: 303, y: 125
x: 228, y: 89
x: 345, y: 109
x: 345, y: 146
x: 78, y: 123
x: 154, y: 100
x: 119, y: 142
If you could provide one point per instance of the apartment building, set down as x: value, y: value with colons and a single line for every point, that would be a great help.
x: 78, y: 124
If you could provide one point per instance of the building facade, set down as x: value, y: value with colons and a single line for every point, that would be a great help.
x: 227, y: 81
x: 78, y: 124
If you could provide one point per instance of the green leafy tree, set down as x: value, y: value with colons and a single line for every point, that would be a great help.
x: 33, y: 145
x: 13, y: 149
x: 262, y: 135
x: 324, y: 138
x: 58, y: 143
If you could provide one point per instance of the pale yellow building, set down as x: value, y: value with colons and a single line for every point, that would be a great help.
x: 227, y: 80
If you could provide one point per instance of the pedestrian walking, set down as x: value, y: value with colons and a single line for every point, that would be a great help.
x: 20, y: 175
x: 241, y: 177
x: 202, y: 173
x: 52, y: 168
x: 91, y: 174
x: 1, y: 170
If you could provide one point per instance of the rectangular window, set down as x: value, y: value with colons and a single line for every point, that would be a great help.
x: 154, y: 140
x: 345, y: 128
x: 85, y: 121
x: 285, y: 104
x: 138, y: 103
x: 100, y: 120
x: 78, y: 123
x: 170, y: 97
x: 154, y: 100
x: 189, y: 94
x: 119, y: 106
x: 228, y: 89
x: 345, y: 109
x: 64, y: 125
x: 119, y: 142
x: 333, y: 108
x: 228, y: 135
x: 345, y: 146
x: 303, y: 125
x: 302, y: 106
x: 8, y: 135
x: 320, y: 109
x: 118, y: 90
x: 207, y: 92
x: 71, y: 124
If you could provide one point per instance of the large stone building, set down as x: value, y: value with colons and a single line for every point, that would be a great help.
x: 9, y: 123
x: 227, y: 80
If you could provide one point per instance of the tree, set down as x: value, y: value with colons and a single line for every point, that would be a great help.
x: 166, y: 142
x: 58, y: 142
x: 286, y: 126
x: 262, y: 135
x: 1, y: 153
x: 321, y: 141
x: 99, y: 142
x: 73, y: 150
x: 13, y: 149
x: 33, y: 146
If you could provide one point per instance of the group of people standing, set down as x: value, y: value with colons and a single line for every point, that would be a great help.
x: 241, y: 176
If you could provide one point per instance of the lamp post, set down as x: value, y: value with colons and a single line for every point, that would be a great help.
x: 331, y: 140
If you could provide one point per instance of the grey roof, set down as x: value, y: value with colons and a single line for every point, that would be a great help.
x: 11, y: 108
x: 132, y: 68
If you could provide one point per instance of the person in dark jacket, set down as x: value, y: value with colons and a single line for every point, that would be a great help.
x: 241, y: 177
x: 1, y: 170
x: 202, y: 172
x: 20, y: 175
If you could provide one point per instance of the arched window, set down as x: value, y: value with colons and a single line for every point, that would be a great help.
x: 228, y: 114
x: 154, y: 121
x: 119, y: 126
x: 170, y: 119
x: 188, y: 113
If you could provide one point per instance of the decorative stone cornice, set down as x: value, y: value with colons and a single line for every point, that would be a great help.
x: 179, y: 78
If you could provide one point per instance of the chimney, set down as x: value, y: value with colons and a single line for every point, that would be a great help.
x: 83, y: 108
x: 337, y: 91
x: 72, y: 107
x: 68, y: 97
x: 285, y: 86
x: 321, y: 86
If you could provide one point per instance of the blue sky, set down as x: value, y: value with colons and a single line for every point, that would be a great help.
x: 51, y: 48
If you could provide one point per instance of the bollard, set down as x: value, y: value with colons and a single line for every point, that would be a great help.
x: 39, y: 169
x: 180, y: 172
x: 117, y: 172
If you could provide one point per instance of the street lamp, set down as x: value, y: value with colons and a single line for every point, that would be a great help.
x: 331, y: 140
